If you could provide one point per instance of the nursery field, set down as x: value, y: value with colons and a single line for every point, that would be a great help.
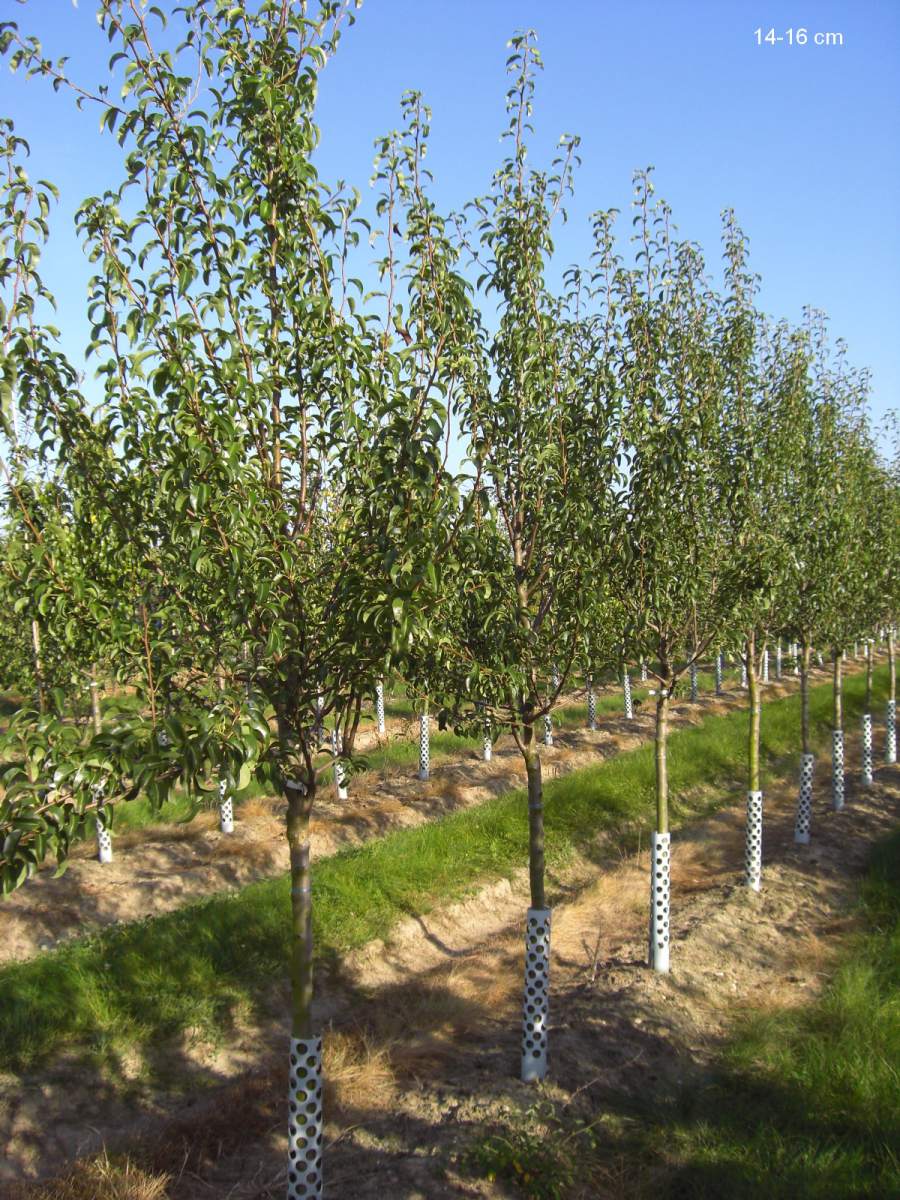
x: 448, y: 737
x: 165, y: 1034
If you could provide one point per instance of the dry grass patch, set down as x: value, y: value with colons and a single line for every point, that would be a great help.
x: 101, y: 1178
x: 358, y: 1073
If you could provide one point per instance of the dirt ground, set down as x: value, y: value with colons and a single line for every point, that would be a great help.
x: 423, y: 1034
x: 164, y: 867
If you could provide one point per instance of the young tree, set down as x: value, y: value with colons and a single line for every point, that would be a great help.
x: 760, y: 367
x: 243, y: 380
x: 668, y: 579
x: 539, y: 420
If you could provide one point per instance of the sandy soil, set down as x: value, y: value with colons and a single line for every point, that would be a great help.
x: 422, y: 1035
x: 164, y: 867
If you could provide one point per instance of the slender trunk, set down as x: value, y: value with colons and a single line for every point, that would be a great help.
x: 660, y: 841
x: 535, y: 816
x: 38, y: 664
x: 837, y: 737
x: 662, y: 769
x: 96, y: 715
x: 755, y: 712
x: 300, y: 800
x: 804, y: 695
x: 868, y: 707
x: 892, y: 666
x: 838, y: 691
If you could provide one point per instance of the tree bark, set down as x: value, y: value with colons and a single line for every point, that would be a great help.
x: 96, y: 715
x: 804, y: 694
x: 755, y: 713
x: 838, y: 692
x: 300, y: 800
x: 662, y: 768
x: 38, y: 664
x: 535, y: 817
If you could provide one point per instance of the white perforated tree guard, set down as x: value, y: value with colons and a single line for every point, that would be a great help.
x: 856, y: 649
x: 104, y: 838
x: 660, y: 868
x: 226, y: 806
x: 548, y: 730
x: 340, y: 784
x: 890, y: 733
x: 819, y: 658
x: 693, y: 675
x: 795, y: 658
x: 837, y: 769
x: 643, y: 671
x: 487, y: 746
x: 305, y: 1120
x: 591, y: 704
x: 379, y: 707
x: 743, y: 674
x: 803, y: 821
x: 753, y: 850
x: 867, y: 776
x: 778, y: 661
x: 626, y: 692
x: 765, y: 665
x: 424, y: 749
x: 555, y: 677
x: 536, y: 1007
x: 719, y: 674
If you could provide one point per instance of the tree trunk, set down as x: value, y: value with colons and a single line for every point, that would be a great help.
x: 753, y: 832
x: 804, y: 695
x: 536, y: 1006
x: 890, y: 740
x: 838, y: 722
x: 535, y: 816
x: 837, y: 737
x: 755, y: 714
x: 662, y: 770
x: 305, y: 1078
x: 660, y: 842
x: 96, y: 715
x: 38, y: 664
x: 300, y: 799
x: 868, y: 707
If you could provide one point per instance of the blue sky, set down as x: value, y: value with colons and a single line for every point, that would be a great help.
x: 803, y: 141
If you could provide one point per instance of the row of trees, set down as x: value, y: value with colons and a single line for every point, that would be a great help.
x: 256, y: 519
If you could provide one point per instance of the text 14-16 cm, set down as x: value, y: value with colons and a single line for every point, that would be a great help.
x: 796, y: 37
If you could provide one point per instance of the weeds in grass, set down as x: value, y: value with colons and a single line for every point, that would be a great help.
x: 540, y: 1153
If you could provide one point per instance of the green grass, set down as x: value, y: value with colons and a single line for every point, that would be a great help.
x: 130, y: 988
x: 807, y: 1104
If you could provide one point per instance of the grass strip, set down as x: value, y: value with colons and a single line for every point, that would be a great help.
x: 806, y: 1105
x: 130, y: 988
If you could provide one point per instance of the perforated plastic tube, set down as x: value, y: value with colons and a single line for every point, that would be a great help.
x: 837, y: 769
x: 536, y: 1008
x: 803, y: 821
x: 753, y: 850
x: 305, y: 1120
x: 660, y: 867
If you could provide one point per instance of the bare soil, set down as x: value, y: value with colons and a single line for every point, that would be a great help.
x: 164, y: 867
x: 423, y: 1034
